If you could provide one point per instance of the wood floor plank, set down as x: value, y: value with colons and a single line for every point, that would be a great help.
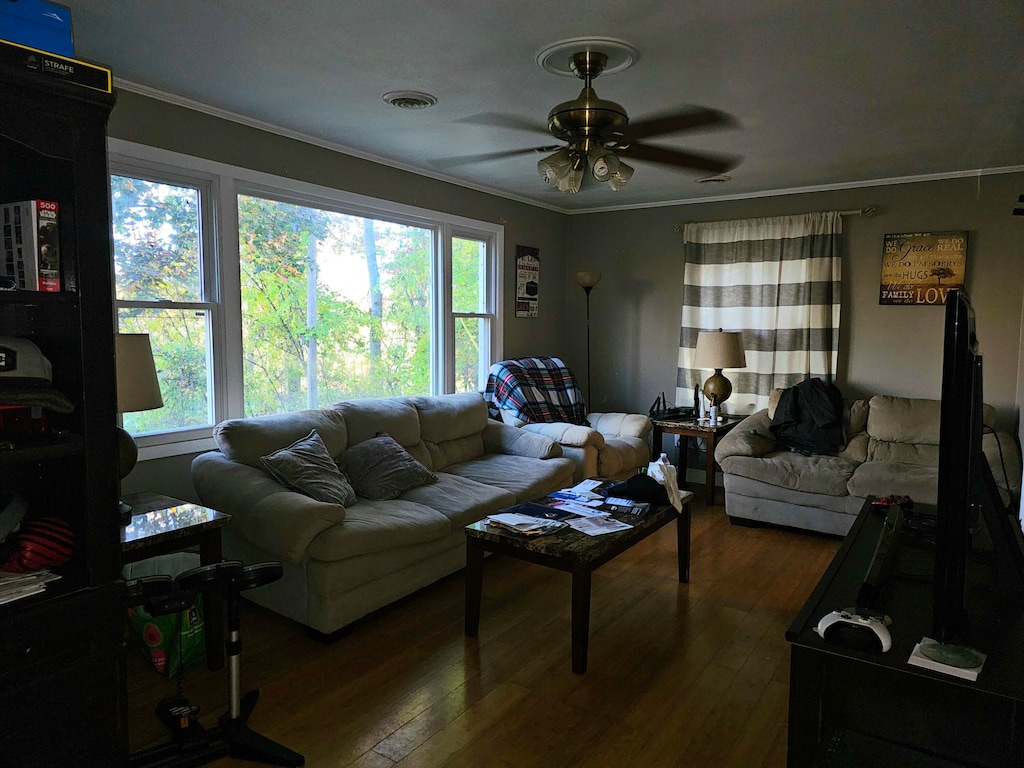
x: 678, y: 674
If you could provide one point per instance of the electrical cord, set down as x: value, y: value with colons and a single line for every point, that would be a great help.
x: 1002, y: 464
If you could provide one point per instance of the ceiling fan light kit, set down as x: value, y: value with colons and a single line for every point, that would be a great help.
x: 598, y: 131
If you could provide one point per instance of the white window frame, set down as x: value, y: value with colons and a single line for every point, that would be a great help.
x: 221, y: 274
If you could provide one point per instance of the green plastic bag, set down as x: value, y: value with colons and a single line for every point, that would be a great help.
x: 172, y: 642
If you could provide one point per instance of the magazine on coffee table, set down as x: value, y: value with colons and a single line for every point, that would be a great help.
x: 528, y: 525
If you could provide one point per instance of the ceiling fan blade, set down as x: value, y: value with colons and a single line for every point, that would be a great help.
x: 484, y: 157
x: 714, y: 164
x: 658, y: 125
x: 499, y: 120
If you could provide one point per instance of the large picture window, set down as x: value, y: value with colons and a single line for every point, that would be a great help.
x: 264, y: 295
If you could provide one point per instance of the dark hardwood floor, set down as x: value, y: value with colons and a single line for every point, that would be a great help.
x: 678, y: 675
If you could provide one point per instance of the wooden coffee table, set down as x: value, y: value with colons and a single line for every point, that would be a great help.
x: 571, y: 551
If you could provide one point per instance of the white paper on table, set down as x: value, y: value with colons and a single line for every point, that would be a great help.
x: 584, y: 510
x: 586, y: 486
x: 595, y: 526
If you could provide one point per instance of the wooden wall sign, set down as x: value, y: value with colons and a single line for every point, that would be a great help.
x: 922, y: 267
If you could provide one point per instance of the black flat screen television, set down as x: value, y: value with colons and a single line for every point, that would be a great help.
x: 967, y: 492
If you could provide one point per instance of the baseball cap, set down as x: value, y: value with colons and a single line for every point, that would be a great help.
x: 26, y: 377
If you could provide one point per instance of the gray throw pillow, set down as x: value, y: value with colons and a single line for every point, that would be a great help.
x: 306, y: 466
x: 380, y: 468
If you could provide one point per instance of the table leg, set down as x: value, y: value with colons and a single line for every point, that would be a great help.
x: 656, y: 435
x: 709, y: 470
x: 580, y: 618
x: 683, y: 542
x: 213, y: 602
x: 474, y: 585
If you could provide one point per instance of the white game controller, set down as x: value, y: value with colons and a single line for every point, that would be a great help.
x: 832, y: 624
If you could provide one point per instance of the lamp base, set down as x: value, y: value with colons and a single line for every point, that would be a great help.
x: 717, y: 388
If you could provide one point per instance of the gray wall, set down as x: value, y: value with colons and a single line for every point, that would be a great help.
x: 884, y: 349
x: 635, y: 309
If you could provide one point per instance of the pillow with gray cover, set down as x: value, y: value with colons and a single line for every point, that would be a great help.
x: 381, y: 469
x: 306, y: 466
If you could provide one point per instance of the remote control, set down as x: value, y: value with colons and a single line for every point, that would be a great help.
x: 850, y: 628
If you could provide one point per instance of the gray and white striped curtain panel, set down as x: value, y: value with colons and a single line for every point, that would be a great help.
x: 775, y: 279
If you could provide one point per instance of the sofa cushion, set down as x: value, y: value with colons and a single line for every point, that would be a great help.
x: 377, y: 526
x: 451, y: 427
x: 306, y: 466
x: 903, y: 420
x: 248, y: 440
x: 379, y: 468
x: 885, y: 478
x: 461, y: 500
x: 396, y: 416
x: 827, y: 475
x: 526, y: 478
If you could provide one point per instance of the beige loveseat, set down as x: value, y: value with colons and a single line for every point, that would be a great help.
x: 892, y: 448
x: 342, y: 562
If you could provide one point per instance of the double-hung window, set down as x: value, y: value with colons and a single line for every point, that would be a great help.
x: 164, y: 287
x: 264, y: 295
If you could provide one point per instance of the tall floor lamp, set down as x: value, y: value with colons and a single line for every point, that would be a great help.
x: 138, y: 389
x: 587, y: 281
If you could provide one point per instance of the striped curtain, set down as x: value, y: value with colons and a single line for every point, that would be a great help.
x: 778, y: 281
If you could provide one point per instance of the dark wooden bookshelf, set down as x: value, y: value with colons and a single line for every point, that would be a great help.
x: 62, y: 656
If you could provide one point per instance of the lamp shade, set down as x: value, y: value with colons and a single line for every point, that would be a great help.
x: 587, y: 279
x: 138, y: 388
x: 719, y: 349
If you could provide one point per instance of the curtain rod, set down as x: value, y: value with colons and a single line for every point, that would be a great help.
x: 867, y: 211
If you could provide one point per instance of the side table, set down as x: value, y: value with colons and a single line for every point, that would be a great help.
x: 687, y: 428
x: 161, y: 525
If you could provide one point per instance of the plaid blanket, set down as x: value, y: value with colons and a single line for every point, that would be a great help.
x: 537, y: 389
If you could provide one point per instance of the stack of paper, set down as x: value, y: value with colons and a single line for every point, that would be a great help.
x: 14, y: 586
x: 526, y: 524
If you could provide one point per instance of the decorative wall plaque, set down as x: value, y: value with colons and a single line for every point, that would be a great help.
x: 922, y: 267
x: 527, y: 280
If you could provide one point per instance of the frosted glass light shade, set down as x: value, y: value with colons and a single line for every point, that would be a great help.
x: 587, y: 279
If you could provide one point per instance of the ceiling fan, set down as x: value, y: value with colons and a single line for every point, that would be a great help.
x: 597, y: 132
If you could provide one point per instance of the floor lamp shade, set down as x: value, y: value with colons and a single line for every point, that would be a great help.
x: 138, y: 389
x: 717, y: 350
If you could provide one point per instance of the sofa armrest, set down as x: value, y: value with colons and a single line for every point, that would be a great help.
x: 751, y: 437
x: 504, y: 438
x: 621, y: 424
x: 281, y: 521
x: 575, y: 435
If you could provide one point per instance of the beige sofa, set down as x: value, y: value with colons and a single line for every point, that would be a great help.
x: 892, y: 448
x: 342, y: 562
x: 614, y: 446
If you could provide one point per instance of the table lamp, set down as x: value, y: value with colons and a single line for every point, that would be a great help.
x: 138, y: 389
x: 719, y: 349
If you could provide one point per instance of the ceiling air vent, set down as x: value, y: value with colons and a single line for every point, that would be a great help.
x: 409, y: 99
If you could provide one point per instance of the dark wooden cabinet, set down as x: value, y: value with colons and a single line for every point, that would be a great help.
x: 62, y: 664
x: 854, y: 707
